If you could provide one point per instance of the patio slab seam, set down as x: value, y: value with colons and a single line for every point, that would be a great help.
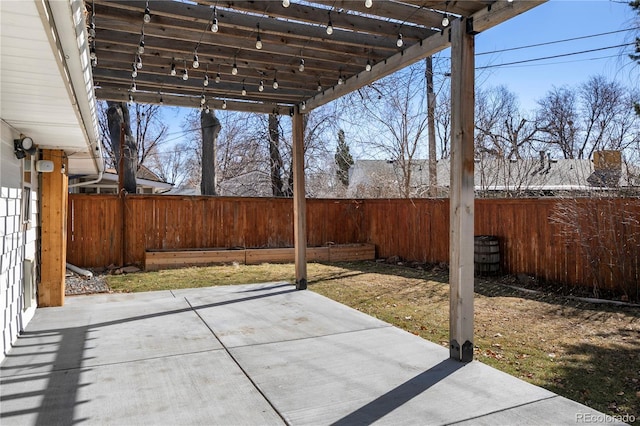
x: 502, y: 410
x: 233, y: 358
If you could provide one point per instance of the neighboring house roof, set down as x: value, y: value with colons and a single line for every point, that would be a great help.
x: 489, y: 175
x: 144, y: 178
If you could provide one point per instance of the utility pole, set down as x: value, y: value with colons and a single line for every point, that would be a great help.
x: 431, y: 108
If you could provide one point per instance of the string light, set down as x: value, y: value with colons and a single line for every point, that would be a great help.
x: 368, y: 3
x: 261, y: 86
x: 205, y: 82
x: 399, y: 42
x: 185, y: 73
x: 319, y: 87
x: 133, y: 87
x: 130, y: 98
x: 340, y: 79
x: 244, y: 90
x: 161, y: 100
x: 445, y: 20
x: 234, y: 69
x: 285, y: 3
x: 368, y: 66
x: 275, y: 80
x: 329, y: 25
x: 214, y: 23
x: 224, y: 104
x: 147, y: 14
x: 92, y: 27
x: 134, y: 71
x: 196, y: 64
x: 218, y: 78
x: 173, y: 69
x: 303, y: 106
x: 139, y: 62
x: 301, y: 66
x: 203, y: 100
x: 258, y: 39
x: 141, y: 45
x: 92, y: 52
x: 206, y: 109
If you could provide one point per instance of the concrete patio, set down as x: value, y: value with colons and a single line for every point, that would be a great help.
x: 250, y: 354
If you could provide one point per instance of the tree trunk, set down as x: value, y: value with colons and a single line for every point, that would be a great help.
x: 210, y: 129
x: 117, y: 117
x: 275, y: 157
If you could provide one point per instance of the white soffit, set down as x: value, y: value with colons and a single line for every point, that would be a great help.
x: 37, y: 95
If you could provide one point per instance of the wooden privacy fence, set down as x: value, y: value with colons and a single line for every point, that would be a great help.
x: 575, y: 241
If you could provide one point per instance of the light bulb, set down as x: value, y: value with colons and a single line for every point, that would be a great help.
x: 224, y: 104
x: 185, y: 75
x: 258, y: 43
x: 203, y: 100
x: 285, y: 3
x: 205, y: 82
x: 133, y: 87
x: 94, y: 62
x: 173, y: 69
x: 139, y: 62
x: 301, y: 66
x: 261, y: 86
x: 303, y: 106
x: 368, y: 66
x: 161, y: 101
x: 214, y: 25
x: 275, y: 84
x: 319, y: 87
x: 134, y: 72
x: 368, y: 3
x: 329, y: 27
x: 244, y: 91
x: 207, y: 109
x: 234, y: 70
x: 399, y: 42
x: 141, y: 47
x: 445, y: 21
x: 92, y: 53
x: 218, y: 78
x: 196, y: 64
x: 130, y: 98
x: 340, y: 80
x: 147, y: 15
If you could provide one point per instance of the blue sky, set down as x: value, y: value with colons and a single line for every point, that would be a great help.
x: 549, y: 22
x: 558, y: 20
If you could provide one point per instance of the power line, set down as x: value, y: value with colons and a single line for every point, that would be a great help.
x: 557, y: 41
x: 562, y: 55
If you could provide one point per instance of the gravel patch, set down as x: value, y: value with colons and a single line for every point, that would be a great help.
x: 75, y: 284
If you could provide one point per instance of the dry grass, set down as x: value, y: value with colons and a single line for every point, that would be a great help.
x: 586, y: 352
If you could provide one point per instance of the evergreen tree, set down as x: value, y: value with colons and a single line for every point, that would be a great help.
x: 343, y: 159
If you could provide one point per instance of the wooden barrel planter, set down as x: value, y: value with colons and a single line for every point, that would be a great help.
x: 486, y: 255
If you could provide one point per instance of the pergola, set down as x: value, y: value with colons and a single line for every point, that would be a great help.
x: 289, y: 57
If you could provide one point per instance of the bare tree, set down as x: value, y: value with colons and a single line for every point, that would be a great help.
x: 274, y: 156
x: 118, y: 122
x: 395, y: 111
x: 557, y: 119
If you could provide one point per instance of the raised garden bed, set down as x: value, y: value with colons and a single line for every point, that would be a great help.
x: 164, y: 259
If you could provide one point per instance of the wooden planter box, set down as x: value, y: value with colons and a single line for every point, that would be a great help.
x: 165, y: 259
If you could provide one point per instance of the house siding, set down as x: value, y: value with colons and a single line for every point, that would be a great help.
x: 18, y: 238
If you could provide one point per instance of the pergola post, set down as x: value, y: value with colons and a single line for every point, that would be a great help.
x: 461, y: 196
x: 299, y: 202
